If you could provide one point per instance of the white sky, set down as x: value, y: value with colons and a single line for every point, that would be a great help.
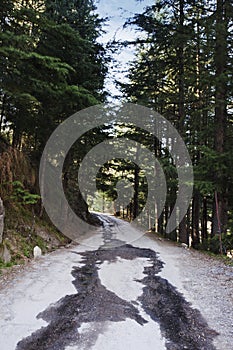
x: 118, y: 11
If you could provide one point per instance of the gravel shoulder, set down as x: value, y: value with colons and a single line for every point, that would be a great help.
x: 206, y: 283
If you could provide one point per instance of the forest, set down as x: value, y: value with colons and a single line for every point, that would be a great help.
x: 53, y: 64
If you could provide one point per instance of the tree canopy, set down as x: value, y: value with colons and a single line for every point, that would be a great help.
x: 53, y: 65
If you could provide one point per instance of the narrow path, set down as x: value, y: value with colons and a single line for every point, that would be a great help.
x: 118, y: 295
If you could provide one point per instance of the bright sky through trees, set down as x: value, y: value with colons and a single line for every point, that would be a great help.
x: 118, y: 11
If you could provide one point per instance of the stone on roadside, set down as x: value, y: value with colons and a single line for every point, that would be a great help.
x: 5, y: 255
x: 37, y: 252
x: 184, y: 245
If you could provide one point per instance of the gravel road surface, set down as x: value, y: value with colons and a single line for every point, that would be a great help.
x: 112, y: 292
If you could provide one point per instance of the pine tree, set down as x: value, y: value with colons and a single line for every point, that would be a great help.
x: 42, y: 80
x: 183, y: 72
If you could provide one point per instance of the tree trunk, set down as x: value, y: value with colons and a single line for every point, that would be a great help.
x: 2, y: 111
x: 160, y: 224
x: 183, y: 235
x: 136, y: 188
x: 204, y: 219
x: 220, y: 113
x: 166, y: 214
x: 195, y: 220
x: 2, y: 214
x: 136, y: 192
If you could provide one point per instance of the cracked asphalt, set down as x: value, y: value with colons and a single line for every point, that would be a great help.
x: 104, y: 298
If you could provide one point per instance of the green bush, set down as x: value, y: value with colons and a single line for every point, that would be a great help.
x: 227, y: 243
x: 22, y: 195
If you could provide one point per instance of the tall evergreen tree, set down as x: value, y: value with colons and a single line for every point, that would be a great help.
x: 183, y: 71
x: 49, y: 69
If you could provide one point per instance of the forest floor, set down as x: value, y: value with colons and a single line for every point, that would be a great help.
x: 142, y: 294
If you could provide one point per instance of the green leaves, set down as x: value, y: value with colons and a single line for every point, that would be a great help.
x: 183, y: 70
x: 22, y: 195
x: 52, y: 66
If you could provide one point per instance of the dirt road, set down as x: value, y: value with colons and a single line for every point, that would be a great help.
x: 143, y: 295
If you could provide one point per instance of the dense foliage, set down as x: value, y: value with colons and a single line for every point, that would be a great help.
x: 184, y: 71
x: 53, y: 65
